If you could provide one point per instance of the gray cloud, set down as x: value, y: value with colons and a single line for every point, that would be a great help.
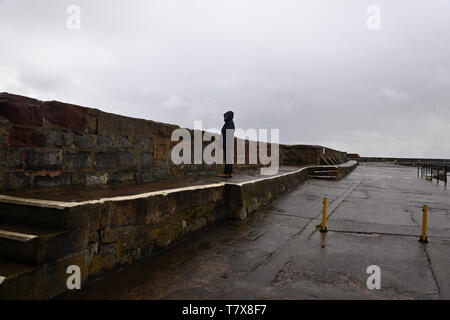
x: 311, y: 69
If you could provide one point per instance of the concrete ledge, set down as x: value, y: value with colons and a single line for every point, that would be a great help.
x: 244, y: 198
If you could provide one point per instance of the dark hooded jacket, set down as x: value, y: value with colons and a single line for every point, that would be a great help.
x: 229, y: 124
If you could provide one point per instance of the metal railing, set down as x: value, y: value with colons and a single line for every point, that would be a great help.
x: 431, y: 170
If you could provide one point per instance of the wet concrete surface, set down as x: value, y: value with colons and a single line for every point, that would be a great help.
x: 75, y: 193
x: 374, y: 219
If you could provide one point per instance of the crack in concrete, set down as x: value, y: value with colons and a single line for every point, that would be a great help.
x: 289, y: 215
x: 431, y: 268
x: 279, y: 248
x: 339, y: 200
x: 384, y: 233
x: 412, y: 217
x: 272, y: 264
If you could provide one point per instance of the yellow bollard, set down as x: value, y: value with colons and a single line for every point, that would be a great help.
x: 323, y: 227
x: 423, y: 237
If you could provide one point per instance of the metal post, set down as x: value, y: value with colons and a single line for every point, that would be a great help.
x: 431, y: 170
x: 438, y: 169
x: 423, y: 237
x: 323, y: 227
x: 445, y: 177
x: 418, y: 168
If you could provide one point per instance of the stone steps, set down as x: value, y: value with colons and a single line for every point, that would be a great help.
x: 35, y: 246
x: 324, y: 177
x: 10, y: 271
x: 24, y: 214
x: 325, y: 173
x: 10, y: 268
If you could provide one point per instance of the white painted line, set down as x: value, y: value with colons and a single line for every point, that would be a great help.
x: 16, y: 236
x: 33, y: 202
x: 268, y: 178
x: 65, y: 204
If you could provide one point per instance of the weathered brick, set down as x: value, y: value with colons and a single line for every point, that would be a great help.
x: 122, y: 176
x: 3, y: 133
x: 160, y: 163
x: 107, y: 123
x: 104, y: 142
x: 45, y: 182
x: 161, y: 150
x: 104, y: 259
x: 127, y: 160
x: 10, y: 157
x: 125, y: 213
x: 145, y: 160
x: 78, y: 161
x: 14, y: 157
x: 17, y: 181
x: 3, y: 122
x: 110, y: 235
x: 144, y: 144
x: 161, y: 173
x: 21, y: 110
x: 65, y: 115
x: 96, y: 180
x: 50, y: 160
x: 3, y: 157
x: 86, y: 141
x: 78, y: 178
x: 60, y: 138
x: 144, y: 176
x: 164, y: 130
x: 124, y: 144
x: 92, y: 122
x: 26, y: 138
x: 105, y: 160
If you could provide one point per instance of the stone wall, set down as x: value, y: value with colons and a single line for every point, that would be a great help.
x: 307, y: 155
x: 99, y: 235
x: 50, y: 144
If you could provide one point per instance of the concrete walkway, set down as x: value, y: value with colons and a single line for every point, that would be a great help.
x: 375, y: 217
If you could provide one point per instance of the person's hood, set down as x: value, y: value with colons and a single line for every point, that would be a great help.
x: 228, y: 116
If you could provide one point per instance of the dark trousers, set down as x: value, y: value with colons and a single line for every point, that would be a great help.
x: 228, y: 169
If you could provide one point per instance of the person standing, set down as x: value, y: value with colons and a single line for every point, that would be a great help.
x: 228, y: 132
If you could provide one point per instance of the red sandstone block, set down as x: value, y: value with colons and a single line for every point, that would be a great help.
x: 26, y: 138
x: 164, y: 130
x: 65, y: 115
x: 21, y: 110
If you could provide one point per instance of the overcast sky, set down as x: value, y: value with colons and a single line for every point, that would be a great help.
x: 312, y: 68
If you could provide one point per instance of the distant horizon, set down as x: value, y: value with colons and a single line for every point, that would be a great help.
x: 312, y: 144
